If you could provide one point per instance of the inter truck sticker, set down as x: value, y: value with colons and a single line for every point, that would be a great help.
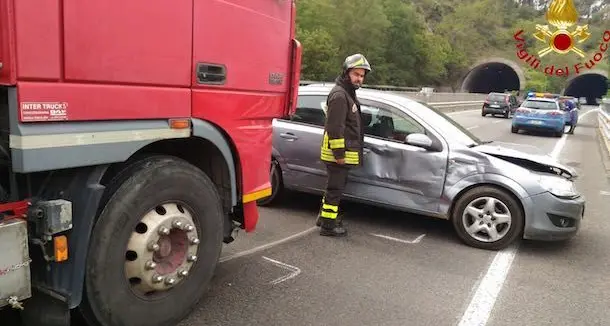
x: 44, y: 111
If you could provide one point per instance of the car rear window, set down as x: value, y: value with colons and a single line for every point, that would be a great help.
x: 496, y: 97
x: 539, y: 105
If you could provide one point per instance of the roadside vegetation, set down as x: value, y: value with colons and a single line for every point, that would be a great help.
x: 431, y: 42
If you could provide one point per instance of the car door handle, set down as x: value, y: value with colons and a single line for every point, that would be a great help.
x: 289, y: 135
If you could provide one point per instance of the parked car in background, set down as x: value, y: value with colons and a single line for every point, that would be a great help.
x: 500, y: 103
x: 540, y: 114
x: 419, y: 160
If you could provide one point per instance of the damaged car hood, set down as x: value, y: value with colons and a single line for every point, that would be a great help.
x: 535, y: 162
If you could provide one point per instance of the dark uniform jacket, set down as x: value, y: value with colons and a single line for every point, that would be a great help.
x: 343, y: 131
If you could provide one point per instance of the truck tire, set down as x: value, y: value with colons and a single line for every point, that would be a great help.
x: 164, y: 201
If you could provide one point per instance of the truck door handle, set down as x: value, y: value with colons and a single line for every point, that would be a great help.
x: 289, y: 135
x: 210, y: 73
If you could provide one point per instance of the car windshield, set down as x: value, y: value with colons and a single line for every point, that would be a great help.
x: 447, y: 126
x: 495, y: 97
x: 539, y: 105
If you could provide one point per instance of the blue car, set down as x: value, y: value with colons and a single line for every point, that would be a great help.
x: 543, y: 114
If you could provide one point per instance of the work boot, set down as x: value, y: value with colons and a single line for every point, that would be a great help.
x: 339, y: 220
x: 330, y: 227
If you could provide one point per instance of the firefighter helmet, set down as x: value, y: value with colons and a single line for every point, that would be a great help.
x: 356, y: 61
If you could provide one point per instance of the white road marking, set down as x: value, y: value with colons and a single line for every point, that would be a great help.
x: 562, y: 141
x: 294, y: 271
x: 559, y: 146
x: 267, y: 246
x: 487, y: 292
x: 473, y: 127
x: 498, y: 121
x: 417, y: 240
x: 604, y: 193
x: 482, y: 303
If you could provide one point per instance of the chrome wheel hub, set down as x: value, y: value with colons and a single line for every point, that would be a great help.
x: 487, y: 219
x: 162, y: 249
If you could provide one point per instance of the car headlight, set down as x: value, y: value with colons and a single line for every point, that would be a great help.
x: 559, y: 187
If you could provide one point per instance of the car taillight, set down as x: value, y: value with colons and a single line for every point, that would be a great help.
x: 520, y: 110
x: 555, y: 113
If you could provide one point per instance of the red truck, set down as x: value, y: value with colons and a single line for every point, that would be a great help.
x: 135, y: 139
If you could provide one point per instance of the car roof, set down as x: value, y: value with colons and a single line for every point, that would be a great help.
x: 542, y: 99
x: 383, y: 95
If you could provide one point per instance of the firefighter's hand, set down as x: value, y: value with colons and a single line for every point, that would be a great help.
x: 341, y: 161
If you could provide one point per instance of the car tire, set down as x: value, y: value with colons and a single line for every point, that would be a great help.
x: 275, y: 174
x: 506, y: 206
x: 514, y: 130
x: 138, y: 204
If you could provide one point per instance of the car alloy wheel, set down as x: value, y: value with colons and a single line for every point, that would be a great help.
x: 488, y: 218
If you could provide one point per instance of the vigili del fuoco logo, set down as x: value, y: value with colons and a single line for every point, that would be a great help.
x: 563, y: 39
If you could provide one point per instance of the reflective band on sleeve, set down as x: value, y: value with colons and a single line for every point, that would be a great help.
x: 337, y: 143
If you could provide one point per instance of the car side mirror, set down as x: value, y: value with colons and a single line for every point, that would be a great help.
x: 419, y: 140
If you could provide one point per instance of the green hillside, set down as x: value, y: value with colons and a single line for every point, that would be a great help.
x: 431, y: 42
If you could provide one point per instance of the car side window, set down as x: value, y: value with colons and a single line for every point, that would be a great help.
x: 310, y: 110
x: 383, y: 123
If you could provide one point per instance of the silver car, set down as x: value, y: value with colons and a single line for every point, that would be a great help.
x: 418, y: 160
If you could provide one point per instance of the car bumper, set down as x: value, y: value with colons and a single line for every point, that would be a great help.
x: 532, y: 123
x: 545, y: 214
x: 499, y: 110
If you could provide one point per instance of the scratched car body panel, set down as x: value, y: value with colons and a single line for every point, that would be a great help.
x: 400, y: 173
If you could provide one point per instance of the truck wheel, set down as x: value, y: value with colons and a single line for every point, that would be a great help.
x: 487, y: 218
x: 155, y: 246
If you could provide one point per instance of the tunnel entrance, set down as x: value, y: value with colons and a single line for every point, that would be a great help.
x: 591, y: 85
x: 493, y: 75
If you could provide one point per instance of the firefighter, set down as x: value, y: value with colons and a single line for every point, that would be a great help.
x: 342, y: 142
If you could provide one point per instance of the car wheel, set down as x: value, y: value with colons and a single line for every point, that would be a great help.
x: 487, y: 218
x: 275, y: 175
x: 514, y: 130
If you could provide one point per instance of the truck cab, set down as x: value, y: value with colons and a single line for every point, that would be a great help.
x: 127, y: 127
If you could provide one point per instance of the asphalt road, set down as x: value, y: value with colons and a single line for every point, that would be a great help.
x: 402, y: 269
x: 370, y: 280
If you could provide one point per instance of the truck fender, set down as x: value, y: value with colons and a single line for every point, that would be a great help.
x: 206, y: 130
x: 85, y: 192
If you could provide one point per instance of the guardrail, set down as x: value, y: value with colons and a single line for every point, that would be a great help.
x: 604, y: 122
x: 445, y: 101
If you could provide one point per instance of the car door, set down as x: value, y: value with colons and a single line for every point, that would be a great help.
x: 297, y: 140
x: 394, y: 172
